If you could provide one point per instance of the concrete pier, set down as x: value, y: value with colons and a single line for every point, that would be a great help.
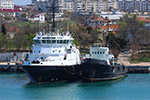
x: 15, y: 67
x: 138, y: 69
x: 10, y: 67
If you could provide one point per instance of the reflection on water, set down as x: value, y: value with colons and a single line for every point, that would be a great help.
x: 134, y: 86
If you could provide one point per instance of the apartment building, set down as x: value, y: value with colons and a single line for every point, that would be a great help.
x: 68, y: 5
x: 46, y: 5
x: 76, y: 5
x: 134, y: 5
x: 6, y: 4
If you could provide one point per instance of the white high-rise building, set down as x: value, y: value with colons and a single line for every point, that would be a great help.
x: 68, y: 5
x: 134, y: 5
x: 34, y: 1
x: 6, y: 4
x: 76, y: 5
x: 46, y: 5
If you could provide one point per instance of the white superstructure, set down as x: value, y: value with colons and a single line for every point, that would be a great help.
x: 53, y: 49
x: 101, y: 53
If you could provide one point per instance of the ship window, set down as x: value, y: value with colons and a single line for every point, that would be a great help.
x: 92, y: 52
x: 71, y: 41
x: 58, y: 41
x: 36, y: 41
x: 95, y: 52
x: 49, y: 41
x: 53, y: 37
x: 65, y: 41
x: 103, y: 52
x: 53, y: 41
x: 48, y: 37
x: 100, y: 52
x: 61, y: 41
x: 43, y: 41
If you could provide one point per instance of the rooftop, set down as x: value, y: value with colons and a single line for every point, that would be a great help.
x: 10, y: 10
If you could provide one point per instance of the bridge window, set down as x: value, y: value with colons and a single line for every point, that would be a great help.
x: 49, y: 41
x: 43, y: 41
x: 53, y: 38
x: 65, y: 41
x: 53, y: 41
x: 59, y: 41
x: 71, y: 41
x: 36, y: 41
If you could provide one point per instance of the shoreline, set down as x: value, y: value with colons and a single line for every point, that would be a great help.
x: 125, y: 60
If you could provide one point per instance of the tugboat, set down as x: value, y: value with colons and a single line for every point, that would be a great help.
x: 54, y: 58
x: 100, y: 65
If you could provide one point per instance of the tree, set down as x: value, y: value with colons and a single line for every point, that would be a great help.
x: 2, y: 41
x: 23, y: 15
x: 3, y: 29
x: 130, y: 25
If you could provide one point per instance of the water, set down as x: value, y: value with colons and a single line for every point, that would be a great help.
x: 133, y: 87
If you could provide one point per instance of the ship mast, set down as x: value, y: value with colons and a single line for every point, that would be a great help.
x: 53, y: 10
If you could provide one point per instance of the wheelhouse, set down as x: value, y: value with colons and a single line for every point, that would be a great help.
x: 52, y: 40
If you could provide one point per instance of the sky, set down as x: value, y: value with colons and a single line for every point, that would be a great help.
x: 22, y: 2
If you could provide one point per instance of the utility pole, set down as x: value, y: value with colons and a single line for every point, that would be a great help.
x: 107, y: 5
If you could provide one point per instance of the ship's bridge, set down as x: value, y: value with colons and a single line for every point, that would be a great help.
x: 101, y: 53
x: 53, y: 40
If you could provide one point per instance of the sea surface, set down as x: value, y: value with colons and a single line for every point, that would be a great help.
x: 132, y: 87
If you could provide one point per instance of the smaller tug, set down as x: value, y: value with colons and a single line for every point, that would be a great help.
x: 99, y: 65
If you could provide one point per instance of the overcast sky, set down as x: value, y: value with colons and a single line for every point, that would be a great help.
x: 22, y: 2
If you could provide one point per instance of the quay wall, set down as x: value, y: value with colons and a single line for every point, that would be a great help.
x: 12, y: 57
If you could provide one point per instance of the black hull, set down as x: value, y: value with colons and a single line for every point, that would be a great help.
x: 95, y: 70
x: 52, y: 74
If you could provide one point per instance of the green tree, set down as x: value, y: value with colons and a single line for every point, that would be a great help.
x: 23, y: 15
x: 29, y: 39
x: 3, y: 29
x: 2, y: 41
x: 136, y: 29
